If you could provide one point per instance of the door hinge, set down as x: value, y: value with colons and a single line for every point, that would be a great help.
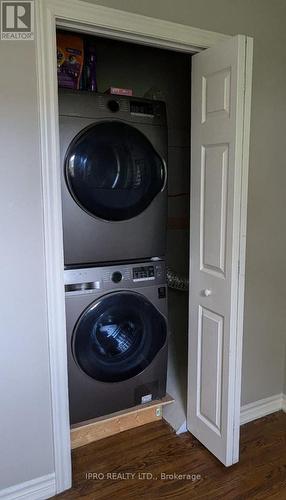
x: 238, y: 267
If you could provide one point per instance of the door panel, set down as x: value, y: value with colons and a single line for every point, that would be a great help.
x: 218, y: 79
x: 216, y: 95
x: 210, y: 332
x: 213, y: 208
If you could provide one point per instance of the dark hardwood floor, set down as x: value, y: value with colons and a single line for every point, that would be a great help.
x: 155, y: 449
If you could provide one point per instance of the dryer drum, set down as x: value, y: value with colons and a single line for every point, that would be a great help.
x: 112, y: 171
x: 118, y: 336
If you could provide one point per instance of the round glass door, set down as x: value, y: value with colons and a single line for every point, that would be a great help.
x: 118, y: 336
x: 112, y: 171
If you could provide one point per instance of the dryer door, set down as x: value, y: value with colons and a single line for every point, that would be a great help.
x: 113, y: 172
x: 118, y: 336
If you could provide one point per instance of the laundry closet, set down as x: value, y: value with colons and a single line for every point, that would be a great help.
x: 133, y: 172
x: 159, y: 81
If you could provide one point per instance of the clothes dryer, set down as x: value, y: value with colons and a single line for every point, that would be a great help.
x: 113, y: 177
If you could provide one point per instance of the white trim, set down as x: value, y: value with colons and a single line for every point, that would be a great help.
x: 36, y: 489
x: 255, y: 410
x: 115, y: 24
x: 182, y: 428
x: 261, y: 408
x: 283, y: 406
x: 47, y: 98
x: 242, y: 238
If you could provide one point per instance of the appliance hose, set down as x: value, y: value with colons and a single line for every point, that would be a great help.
x: 176, y: 282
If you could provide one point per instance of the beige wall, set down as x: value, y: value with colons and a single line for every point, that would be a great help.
x: 265, y: 312
x: 25, y: 405
x: 26, y: 440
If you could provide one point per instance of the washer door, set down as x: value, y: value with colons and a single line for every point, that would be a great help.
x: 118, y: 336
x: 113, y: 172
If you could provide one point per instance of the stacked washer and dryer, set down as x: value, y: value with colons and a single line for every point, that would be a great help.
x: 114, y: 205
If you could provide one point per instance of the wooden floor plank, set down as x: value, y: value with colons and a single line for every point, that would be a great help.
x: 155, y: 448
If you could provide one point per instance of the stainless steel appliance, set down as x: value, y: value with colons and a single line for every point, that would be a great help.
x: 113, y: 177
x: 116, y: 337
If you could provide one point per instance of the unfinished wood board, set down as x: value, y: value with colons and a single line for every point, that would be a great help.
x: 99, y: 428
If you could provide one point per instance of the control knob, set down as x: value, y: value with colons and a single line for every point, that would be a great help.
x: 116, y: 277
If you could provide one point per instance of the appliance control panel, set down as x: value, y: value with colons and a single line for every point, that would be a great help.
x: 143, y: 273
x: 141, y: 108
x: 94, y: 279
x: 102, y: 106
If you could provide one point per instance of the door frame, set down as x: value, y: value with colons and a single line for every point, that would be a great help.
x: 122, y: 25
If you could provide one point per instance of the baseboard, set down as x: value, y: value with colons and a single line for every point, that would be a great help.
x: 261, y: 408
x: 255, y: 410
x: 284, y: 402
x: 182, y: 428
x: 40, y: 488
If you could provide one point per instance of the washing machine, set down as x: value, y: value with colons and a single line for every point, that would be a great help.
x: 116, y: 320
x: 113, y: 177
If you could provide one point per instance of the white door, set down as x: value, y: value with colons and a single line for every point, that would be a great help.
x: 219, y: 141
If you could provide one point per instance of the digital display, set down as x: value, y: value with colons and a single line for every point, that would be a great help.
x: 142, y: 108
x: 143, y: 273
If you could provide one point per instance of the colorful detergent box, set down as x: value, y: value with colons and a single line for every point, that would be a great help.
x: 119, y: 91
x: 70, y: 55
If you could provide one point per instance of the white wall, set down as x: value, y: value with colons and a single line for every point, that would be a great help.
x: 265, y: 312
x: 25, y: 408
